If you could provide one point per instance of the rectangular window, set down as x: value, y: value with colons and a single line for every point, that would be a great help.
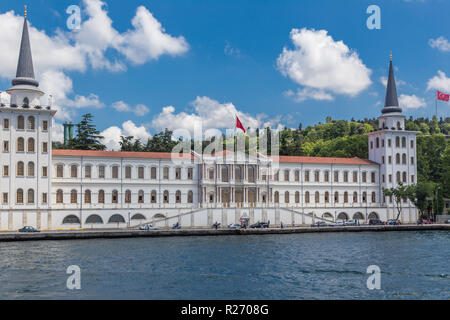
x: 44, y: 147
x: 383, y: 178
x: 389, y: 142
x: 336, y: 176
x: 412, y: 179
x: 45, y: 125
x: 190, y: 173
x: 6, y: 146
x: 87, y: 171
x: 178, y: 173
x: 6, y: 124
x: 382, y: 159
x: 382, y: 143
x: 44, y: 198
x: 372, y: 177
x: 6, y: 171
x: 115, y: 172
x: 390, y: 159
x: 5, y: 197
x: 141, y: 173
x: 412, y: 160
x: 390, y: 178
x: 101, y: 172
x: 59, y: 171
x: 364, y: 177
x: 345, y: 176
x: 127, y: 172
x: 44, y: 172
x: 306, y: 176
x: 355, y: 176
x: 153, y: 173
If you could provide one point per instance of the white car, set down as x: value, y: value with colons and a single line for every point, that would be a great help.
x: 337, y: 224
x: 147, y: 227
x: 234, y: 226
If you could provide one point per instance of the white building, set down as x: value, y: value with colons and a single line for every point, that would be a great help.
x: 72, y: 189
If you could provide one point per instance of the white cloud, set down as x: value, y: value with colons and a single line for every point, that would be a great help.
x: 322, y: 65
x: 112, y: 134
x: 209, y: 114
x: 303, y: 94
x: 57, y: 132
x: 439, y: 82
x: 440, y: 43
x: 139, y: 110
x: 411, y: 102
x: 229, y: 50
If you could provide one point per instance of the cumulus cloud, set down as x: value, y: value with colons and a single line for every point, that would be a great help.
x: 323, y: 66
x: 303, y: 94
x: 411, y: 102
x: 96, y: 45
x: 129, y: 128
x: 138, y: 110
x: 439, y: 82
x: 209, y: 114
x: 440, y: 43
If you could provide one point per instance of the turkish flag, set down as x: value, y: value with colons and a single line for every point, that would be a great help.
x: 239, y: 124
x: 442, y: 96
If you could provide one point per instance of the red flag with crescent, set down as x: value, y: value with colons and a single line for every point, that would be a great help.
x: 442, y: 96
x: 239, y: 124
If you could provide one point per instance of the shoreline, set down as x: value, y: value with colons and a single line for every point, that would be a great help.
x: 121, y: 234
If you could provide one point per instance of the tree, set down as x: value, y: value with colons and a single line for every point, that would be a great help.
x: 419, y: 194
x: 88, y: 137
x: 398, y: 194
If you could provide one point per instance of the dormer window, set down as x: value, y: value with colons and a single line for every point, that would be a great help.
x: 26, y: 102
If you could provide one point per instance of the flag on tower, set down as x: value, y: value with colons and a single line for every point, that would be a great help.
x: 239, y: 124
x: 442, y: 96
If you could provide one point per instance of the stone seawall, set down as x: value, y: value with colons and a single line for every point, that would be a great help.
x: 111, y: 234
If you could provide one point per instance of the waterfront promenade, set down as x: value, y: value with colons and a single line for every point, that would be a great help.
x: 116, y: 233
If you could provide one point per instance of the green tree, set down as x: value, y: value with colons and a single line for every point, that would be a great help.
x: 88, y: 137
x: 398, y: 194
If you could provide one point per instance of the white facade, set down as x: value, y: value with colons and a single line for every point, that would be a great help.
x: 67, y: 189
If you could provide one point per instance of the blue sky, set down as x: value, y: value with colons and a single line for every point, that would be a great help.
x: 226, y: 54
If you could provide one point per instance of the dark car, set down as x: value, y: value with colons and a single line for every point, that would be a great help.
x: 29, y: 229
x: 176, y: 226
x: 376, y: 222
x: 259, y: 225
x: 319, y: 224
x: 393, y: 222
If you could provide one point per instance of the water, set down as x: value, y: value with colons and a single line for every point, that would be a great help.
x: 414, y: 265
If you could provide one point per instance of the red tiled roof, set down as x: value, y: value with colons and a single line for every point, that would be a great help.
x: 165, y: 155
x: 324, y: 160
x: 117, y: 154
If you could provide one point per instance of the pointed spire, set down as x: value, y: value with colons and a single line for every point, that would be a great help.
x: 391, y: 102
x: 25, y: 70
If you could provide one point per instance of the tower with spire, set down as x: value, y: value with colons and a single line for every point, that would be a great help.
x: 26, y: 144
x: 392, y: 146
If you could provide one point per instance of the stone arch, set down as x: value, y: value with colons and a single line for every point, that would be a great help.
x: 94, y: 219
x: 327, y: 215
x: 159, y: 216
x: 138, y: 216
x: 358, y: 216
x: 71, y: 219
x: 116, y: 218
x: 374, y: 216
x: 342, y: 216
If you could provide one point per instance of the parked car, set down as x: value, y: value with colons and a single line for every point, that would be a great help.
x: 447, y: 222
x: 147, y: 227
x: 393, y: 222
x: 234, y: 226
x: 427, y: 222
x: 337, y: 224
x: 376, y: 222
x: 352, y: 223
x: 259, y: 225
x: 29, y: 229
x: 176, y: 226
x: 319, y: 224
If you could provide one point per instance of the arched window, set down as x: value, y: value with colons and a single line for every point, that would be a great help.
x: 30, y: 172
x: 336, y: 197
x: 59, y: 196
x: 307, y: 197
x: 364, y: 197
x: 345, y: 197
x: 116, y: 218
x: 404, y: 158
x: 20, y: 144
x: 355, y: 197
x: 73, y: 171
x: 404, y: 176
x: 378, y: 142
x: 153, y: 196
x: 73, y: 196
x: 101, y: 196
x: 26, y: 102
x: 317, y: 197
x: 178, y: 196
x: 87, y: 171
x: 127, y: 196
x: 399, y: 126
x: 297, y: 197
x: 30, y: 145
x: 190, y: 197
x: 286, y: 196
x: 20, y: 169
x: 20, y: 123
x: 19, y: 196
x: 87, y: 196
x: 327, y: 197
x: 277, y: 197
x: 397, y: 142
x: 286, y: 175
x: 71, y: 219
x: 141, y: 196
x: 30, y: 196
x: 101, y: 172
x: 166, y: 196
x: 30, y: 123
x: 403, y: 142
x: 397, y: 158
x: 94, y: 219
x: 138, y: 216
x: 114, y: 196
x: 398, y: 177
x: 374, y: 197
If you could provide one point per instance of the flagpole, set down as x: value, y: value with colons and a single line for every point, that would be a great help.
x: 436, y: 104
